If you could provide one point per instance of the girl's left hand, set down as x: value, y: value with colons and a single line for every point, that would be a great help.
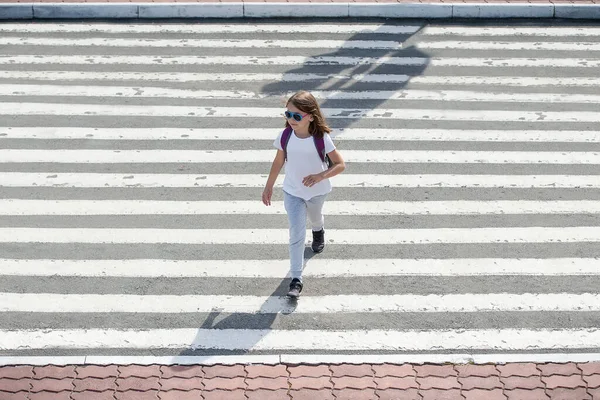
x: 312, y: 180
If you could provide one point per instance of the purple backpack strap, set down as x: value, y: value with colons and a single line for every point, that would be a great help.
x: 285, y: 138
x: 320, y: 145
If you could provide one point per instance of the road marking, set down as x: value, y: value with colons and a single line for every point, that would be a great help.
x: 28, y: 207
x: 68, y: 109
x: 81, y: 156
x: 490, y: 62
x: 317, y: 268
x: 102, y: 180
x: 420, y: 95
x: 202, y: 43
x: 444, y: 135
x: 273, y: 339
x: 353, y: 303
x: 281, y: 236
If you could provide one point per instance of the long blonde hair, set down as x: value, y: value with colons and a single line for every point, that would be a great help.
x: 306, y: 102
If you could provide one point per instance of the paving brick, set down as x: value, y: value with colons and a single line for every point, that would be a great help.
x: 524, y: 394
x: 566, y: 369
x: 476, y: 382
x: 182, y: 371
x: 568, y: 394
x: 593, y: 381
x: 311, y: 383
x: 135, y: 395
x: 353, y: 383
x: 595, y: 393
x: 97, y: 371
x: 482, y: 394
x: 441, y: 371
x: 180, y: 395
x: 557, y: 381
x: 267, y: 394
x: 50, y: 396
x: 140, y: 384
x: 482, y: 371
x: 354, y: 394
x: 267, y: 383
x: 434, y: 382
x: 399, y: 371
x: 16, y: 372
x: 314, y: 371
x: 53, y: 371
x: 224, y: 395
x: 14, y: 396
x: 108, y: 395
x: 589, y: 368
x: 397, y: 394
x: 519, y: 369
x: 356, y: 371
x: 392, y: 382
x: 516, y: 382
x: 435, y: 394
x: 224, y: 383
x: 266, y: 371
x: 139, y: 371
x: 95, y: 384
x: 224, y: 371
x: 51, y: 385
x: 308, y: 394
x: 14, y: 385
x: 185, y: 384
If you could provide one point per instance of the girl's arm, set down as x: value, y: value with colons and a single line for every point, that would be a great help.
x: 273, y: 174
x: 337, y: 168
x: 338, y: 165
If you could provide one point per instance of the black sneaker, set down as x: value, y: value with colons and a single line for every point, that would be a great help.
x: 295, y: 288
x: 318, y: 242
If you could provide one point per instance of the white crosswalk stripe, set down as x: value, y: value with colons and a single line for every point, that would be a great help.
x: 133, y: 156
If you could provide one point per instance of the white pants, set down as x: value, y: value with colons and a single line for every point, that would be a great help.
x: 297, y: 210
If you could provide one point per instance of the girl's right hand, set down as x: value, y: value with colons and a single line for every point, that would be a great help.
x: 266, y: 195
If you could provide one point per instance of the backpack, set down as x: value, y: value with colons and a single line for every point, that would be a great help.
x: 319, y: 144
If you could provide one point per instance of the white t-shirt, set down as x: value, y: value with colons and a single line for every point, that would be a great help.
x: 303, y: 160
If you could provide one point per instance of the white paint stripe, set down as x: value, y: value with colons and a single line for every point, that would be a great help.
x: 316, y: 268
x: 550, y: 31
x: 303, y: 28
x: 280, y: 236
x: 272, y: 339
x: 100, y: 180
x: 301, y: 77
x: 299, y: 60
x: 206, y: 28
x: 149, y: 207
x: 255, y: 112
x: 172, y: 304
x: 526, y: 81
x: 82, y: 156
x: 161, y: 92
x: 197, y: 77
x: 491, y: 45
x: 202, y: 43
x: 271, y: 133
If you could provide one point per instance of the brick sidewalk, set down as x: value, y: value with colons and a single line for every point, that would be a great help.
x: 522, y: 381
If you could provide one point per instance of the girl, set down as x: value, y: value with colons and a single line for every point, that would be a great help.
x: 306, y: 183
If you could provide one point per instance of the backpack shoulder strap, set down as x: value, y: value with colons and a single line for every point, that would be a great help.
x: 285, y: 138
x: 320, y: 145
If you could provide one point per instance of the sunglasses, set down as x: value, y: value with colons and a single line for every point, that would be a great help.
x: 296, y: 116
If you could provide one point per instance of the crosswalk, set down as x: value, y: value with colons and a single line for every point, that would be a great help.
x: 132, y: 159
